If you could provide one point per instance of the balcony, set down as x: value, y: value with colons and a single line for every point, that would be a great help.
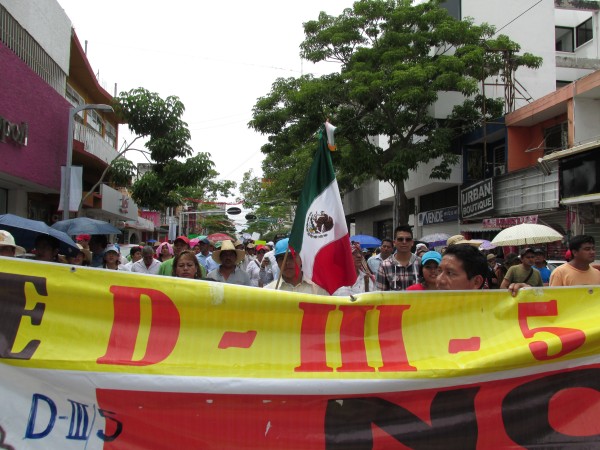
x: 419, y: 183
x: 94, y: 144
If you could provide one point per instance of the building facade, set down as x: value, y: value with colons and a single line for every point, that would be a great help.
x: 44, y: 73
x: 493, y: 186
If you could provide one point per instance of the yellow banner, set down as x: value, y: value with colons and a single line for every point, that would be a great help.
x: 59, y: 317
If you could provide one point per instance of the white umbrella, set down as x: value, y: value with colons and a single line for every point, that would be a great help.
x: 527, y: 234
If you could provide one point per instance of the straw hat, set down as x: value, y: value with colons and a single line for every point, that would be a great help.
x: 7, y: 240
x: 227, y: 245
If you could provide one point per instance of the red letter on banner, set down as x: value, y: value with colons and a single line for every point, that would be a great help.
x: 352, y: 339
x: 313, y: 357
x: 164, y: 327
x: 391, y: 341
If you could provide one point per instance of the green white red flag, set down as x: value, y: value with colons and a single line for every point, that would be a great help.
x: 319, y: 233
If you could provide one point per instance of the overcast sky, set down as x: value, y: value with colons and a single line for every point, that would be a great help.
x: 217, y: 57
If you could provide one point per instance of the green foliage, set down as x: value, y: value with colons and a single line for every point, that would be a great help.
x: 171, y: 180
x: 121, y: 172
x: 265, y: 201
x: 395, y: 59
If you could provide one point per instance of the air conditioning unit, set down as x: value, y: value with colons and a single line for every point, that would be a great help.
x: 499, y: 170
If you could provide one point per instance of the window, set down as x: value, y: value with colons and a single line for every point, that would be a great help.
x: 584, y: 32
x: 95, y: 121
x: 110, y: 134
x: 499, y: 162
x: 564, y: 39
x: 556, y: 138
x: 75, y: 99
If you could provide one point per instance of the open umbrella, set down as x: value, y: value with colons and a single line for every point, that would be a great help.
x: 25, y: 231
x: 435, y: 239
x: 526, y: 234
x: 85, y: 225
x: 486, y: 245
x: 366, y: 241
x: 219, y: 237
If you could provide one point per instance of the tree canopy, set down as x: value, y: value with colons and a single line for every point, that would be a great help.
x: 395, y: 60
x: 176, y: 173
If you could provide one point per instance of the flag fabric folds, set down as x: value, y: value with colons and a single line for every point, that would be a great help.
x: 319, y: 233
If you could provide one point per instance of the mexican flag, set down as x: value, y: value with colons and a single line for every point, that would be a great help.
x: 319, y: 232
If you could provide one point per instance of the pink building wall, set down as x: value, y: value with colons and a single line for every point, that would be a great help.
x: 25, y: 97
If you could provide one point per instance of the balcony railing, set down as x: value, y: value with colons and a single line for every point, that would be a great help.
x: 94, y: 143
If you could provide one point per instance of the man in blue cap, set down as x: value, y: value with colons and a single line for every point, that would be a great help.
x: 292, y: 278
x: 204, y: 253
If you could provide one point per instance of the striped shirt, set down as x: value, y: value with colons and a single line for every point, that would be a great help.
x: 393, y: 276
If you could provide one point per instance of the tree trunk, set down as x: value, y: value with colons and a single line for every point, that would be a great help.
x: 401, y: 212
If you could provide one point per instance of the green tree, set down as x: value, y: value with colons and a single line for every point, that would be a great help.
x: 395, y: 60
x: 273, y: 210
x: 159, y: 121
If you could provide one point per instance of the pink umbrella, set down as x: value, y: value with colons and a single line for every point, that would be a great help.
x: 219, y: 237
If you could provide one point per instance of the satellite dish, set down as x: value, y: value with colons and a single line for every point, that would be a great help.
x: 234, y: 211
x: 250, y: 217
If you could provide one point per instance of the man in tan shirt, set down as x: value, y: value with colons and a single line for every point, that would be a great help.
x: 578, y: 271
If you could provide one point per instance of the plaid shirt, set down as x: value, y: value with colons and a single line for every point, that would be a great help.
x: 393, y: 276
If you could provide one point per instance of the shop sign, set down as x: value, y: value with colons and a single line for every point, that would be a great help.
x: 13, y: 132
x: 124, y: 204
x: 477, y: 198
x: 506, y: 222
x: 442, y: 215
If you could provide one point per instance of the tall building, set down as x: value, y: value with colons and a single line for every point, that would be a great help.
x: 565, y: 35
x: 45, y: 72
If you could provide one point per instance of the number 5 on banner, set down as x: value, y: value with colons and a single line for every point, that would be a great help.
x: 570, y: 338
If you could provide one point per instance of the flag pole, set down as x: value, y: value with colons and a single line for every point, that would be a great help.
x: 283, y: 266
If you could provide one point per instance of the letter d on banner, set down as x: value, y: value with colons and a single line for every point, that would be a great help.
x: 76, y: 188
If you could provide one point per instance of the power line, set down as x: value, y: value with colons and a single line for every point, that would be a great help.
x: 531, y: 7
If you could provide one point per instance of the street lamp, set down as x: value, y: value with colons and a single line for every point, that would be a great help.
x: 67, y: 182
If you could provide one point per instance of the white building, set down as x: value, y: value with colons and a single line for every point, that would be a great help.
x: 566, y: 39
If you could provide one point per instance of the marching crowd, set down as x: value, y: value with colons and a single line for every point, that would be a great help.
x: 397, y: 265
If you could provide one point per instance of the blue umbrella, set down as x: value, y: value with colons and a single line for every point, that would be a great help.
x: 25, y: 231
x: 366, y: 241
x: 151, y: 241
x: 85, y: 225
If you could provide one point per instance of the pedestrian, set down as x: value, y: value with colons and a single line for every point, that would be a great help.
x: 523, y: 273
x: 180, y: 244
x: 421, y: 249
x: 428, y: 272
x: 539, y: 264
x: 364, y: 282
x: 111, y: 258
x: 186, y: 265
x: 493, y: 281
x: 401, y: 270
x: 292, y: 278
x: 84, y: 241
x: 98, y: 243
x: 228, y: 258
x: 135, y: 254
x: 164, y: 252
x: 147, y: 264
x: 385, y: 251
x: 578, y: 271
x: 46, y: 248
x: 259, y: 269
x: 8, y: 246
x: 77, y: 258
x: 463, y: 267
x: 203, y: 253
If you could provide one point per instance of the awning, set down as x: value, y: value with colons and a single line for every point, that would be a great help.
x: 571, y: 151
x: 590, y: 198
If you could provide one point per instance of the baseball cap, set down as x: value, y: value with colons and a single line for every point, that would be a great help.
x: 527, y: 250
x: 431, y: 256
x: 182, y: 238
x: 83, y: 237
x: 111, y: 248
x: 281, y: 246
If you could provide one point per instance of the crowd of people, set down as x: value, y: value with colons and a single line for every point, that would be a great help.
x: 397, y: 265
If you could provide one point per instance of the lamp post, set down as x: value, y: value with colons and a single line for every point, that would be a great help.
x: 67, y: 181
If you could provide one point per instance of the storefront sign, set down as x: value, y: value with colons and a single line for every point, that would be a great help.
x: 506, y: 222
x: 442, y: 215
x: 477, y: 198
x: 13, y: 132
